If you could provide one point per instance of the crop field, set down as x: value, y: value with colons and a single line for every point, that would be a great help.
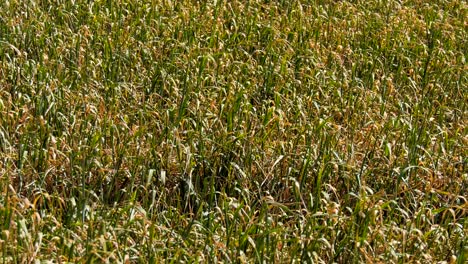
x: 254, y: 131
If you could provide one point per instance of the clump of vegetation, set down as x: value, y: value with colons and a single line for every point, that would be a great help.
x: 233, y: 131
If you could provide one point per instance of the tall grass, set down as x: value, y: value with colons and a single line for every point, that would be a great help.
x: 233, y: 131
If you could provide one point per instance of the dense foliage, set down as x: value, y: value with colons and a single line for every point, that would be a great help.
x: 233, y: 131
